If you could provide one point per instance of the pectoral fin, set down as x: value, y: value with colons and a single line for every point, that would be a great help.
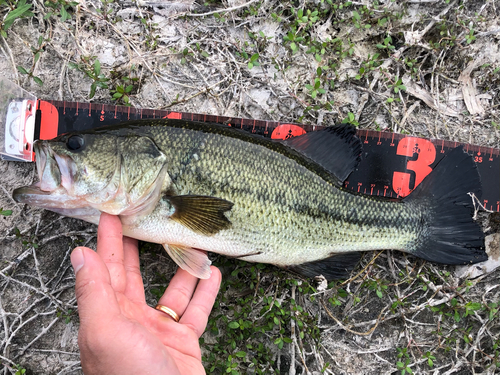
x: 201, y: 214
x: 194, y: 261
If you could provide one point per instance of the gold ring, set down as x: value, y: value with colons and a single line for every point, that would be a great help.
x: 168, y: 311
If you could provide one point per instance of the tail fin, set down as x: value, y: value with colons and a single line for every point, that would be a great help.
x: 451, y: 235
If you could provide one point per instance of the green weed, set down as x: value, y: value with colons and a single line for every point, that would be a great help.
x: 16, y: 10
x: 91, y: 66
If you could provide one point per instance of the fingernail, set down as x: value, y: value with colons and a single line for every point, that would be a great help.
x: 77, y: 259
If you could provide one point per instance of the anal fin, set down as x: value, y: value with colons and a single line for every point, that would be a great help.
x: 194, y: 261
x: 338, y: 266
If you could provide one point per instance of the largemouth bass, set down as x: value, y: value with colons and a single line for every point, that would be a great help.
x: 195, y: 188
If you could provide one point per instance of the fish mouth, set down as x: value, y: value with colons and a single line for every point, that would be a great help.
x: 46, y: 165
x: 54, y: 173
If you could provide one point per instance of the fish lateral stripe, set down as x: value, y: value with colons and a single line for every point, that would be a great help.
x: 379, y: 146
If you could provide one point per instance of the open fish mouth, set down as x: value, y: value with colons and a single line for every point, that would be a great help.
x: 55, y: 179
x: 48, y: 170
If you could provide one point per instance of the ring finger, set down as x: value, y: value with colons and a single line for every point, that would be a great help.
x: 179, y: 292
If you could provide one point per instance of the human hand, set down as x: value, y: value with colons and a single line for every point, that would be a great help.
x: 121, y: 334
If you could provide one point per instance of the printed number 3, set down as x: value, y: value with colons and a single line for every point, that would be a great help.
x: 426, y: 154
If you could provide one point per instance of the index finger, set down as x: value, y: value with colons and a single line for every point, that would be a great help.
x: 110, y: 248
x: 200, y: 306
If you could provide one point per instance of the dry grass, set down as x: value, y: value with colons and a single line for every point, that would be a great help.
x: 314, y: 70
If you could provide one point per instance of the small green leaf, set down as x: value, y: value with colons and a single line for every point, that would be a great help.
x: 38, y: 80
x: 64, y: 14
x: 15, y: 14
x: 97, y: 67
x: 241, y: 354
x: 5, y: 212
x: 93, y: 87
x: 22, y: 70
x: 234, y: 325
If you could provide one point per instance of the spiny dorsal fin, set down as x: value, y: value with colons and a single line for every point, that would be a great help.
x: 194, y: 261
x: 337, y: 149
x: 201, y: 214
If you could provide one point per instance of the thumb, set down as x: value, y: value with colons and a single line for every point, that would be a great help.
x: 94, y: 293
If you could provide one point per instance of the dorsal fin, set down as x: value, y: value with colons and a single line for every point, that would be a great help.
x: 337, y: 149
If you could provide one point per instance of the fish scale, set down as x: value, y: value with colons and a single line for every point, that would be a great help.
x: 217, y: 189
x: 324, y: 229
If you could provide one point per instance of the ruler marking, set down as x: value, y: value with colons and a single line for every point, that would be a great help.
x: 489, y: 155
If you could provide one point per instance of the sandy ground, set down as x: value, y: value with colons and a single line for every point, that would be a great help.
x: 178, y: 60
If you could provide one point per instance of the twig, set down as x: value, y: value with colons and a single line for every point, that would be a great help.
x: 43, y: 332
x: 367, y: 333
x: 14, y: 67
x: 293, y: 337
x: 221, y: 10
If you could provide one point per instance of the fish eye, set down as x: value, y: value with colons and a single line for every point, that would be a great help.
x: 75, y: 143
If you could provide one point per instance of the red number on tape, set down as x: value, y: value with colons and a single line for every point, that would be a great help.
x: 286, y: 131
x: 426, y: 154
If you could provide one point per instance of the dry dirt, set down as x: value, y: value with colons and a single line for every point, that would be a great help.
x: 197, y: 64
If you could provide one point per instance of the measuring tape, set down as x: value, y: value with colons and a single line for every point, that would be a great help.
x: 392, y: 165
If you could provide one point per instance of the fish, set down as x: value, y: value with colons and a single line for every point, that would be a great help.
x: 197, y: 188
